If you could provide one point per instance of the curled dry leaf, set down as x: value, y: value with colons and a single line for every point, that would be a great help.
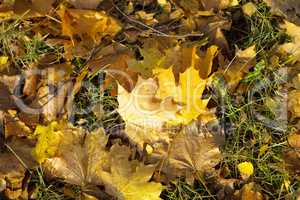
x: 6, y: 100
x: 249, y: 192
x: 51, y: 104
x: 94, y: 24
x: 30, y: 86
x: 82, y: 159
x: 8, y: 84
x: 14, y: 126
x: 291, y: 48
x: 49, y: 99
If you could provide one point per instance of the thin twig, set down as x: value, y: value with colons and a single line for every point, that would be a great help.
x: 19, y: 159
x: 157, y: 32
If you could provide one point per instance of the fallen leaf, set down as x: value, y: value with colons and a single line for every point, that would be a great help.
x: 6, y: 100
x: 82, y: 159
x: 85, y: 4
x: 249, y: 9
x: 31, y: 82
x: 291, y: 48
x: 151, y: 59
x: 236, y: 69
x: 179, y: 58
x: 292, y: 163
x: 188, y: 154
x: 147, y: 18
x: 296, y: 82
x: 64, y: 152
x: 14, y: 126
x: 155, y: 105
x: 206, y: 63
x: 94, y: 24
x: 14, y: 164
x: 51, y: 104
x: 195, y: 6
x: 288, y: 8
x: 213, y: 26
x: 249, y: 192
x: 48, y: 141
x: 294, y: 140
x: 36, y: 7
x: 114, y: 61
x: 141, y: 108
x: 132, y: 178
x: 12, y: 174
x: 294, y: 103
x: 8, y: 85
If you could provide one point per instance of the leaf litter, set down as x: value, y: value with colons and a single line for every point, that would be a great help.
x: 127, y: 99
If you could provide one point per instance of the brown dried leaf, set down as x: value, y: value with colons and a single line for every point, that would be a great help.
x: 85, y: 4
x: 292, y: 163
x: 14, y: 126
x: 36, y: 7
x: 194, y: 6
x: 187, y: 154
x: 288, y: 8
x: 249, y: 192
x: 8, y: 84
x: 113, y: 60
x: 13, y: 167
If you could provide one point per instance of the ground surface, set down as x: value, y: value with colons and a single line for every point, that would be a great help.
x: 150, y: 99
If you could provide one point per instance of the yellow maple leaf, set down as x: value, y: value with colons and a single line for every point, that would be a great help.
x: 132, y: 178
x: 188, y: 92
x: 156, y: 104
x: 92, y: 23
x: 191, y: 87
